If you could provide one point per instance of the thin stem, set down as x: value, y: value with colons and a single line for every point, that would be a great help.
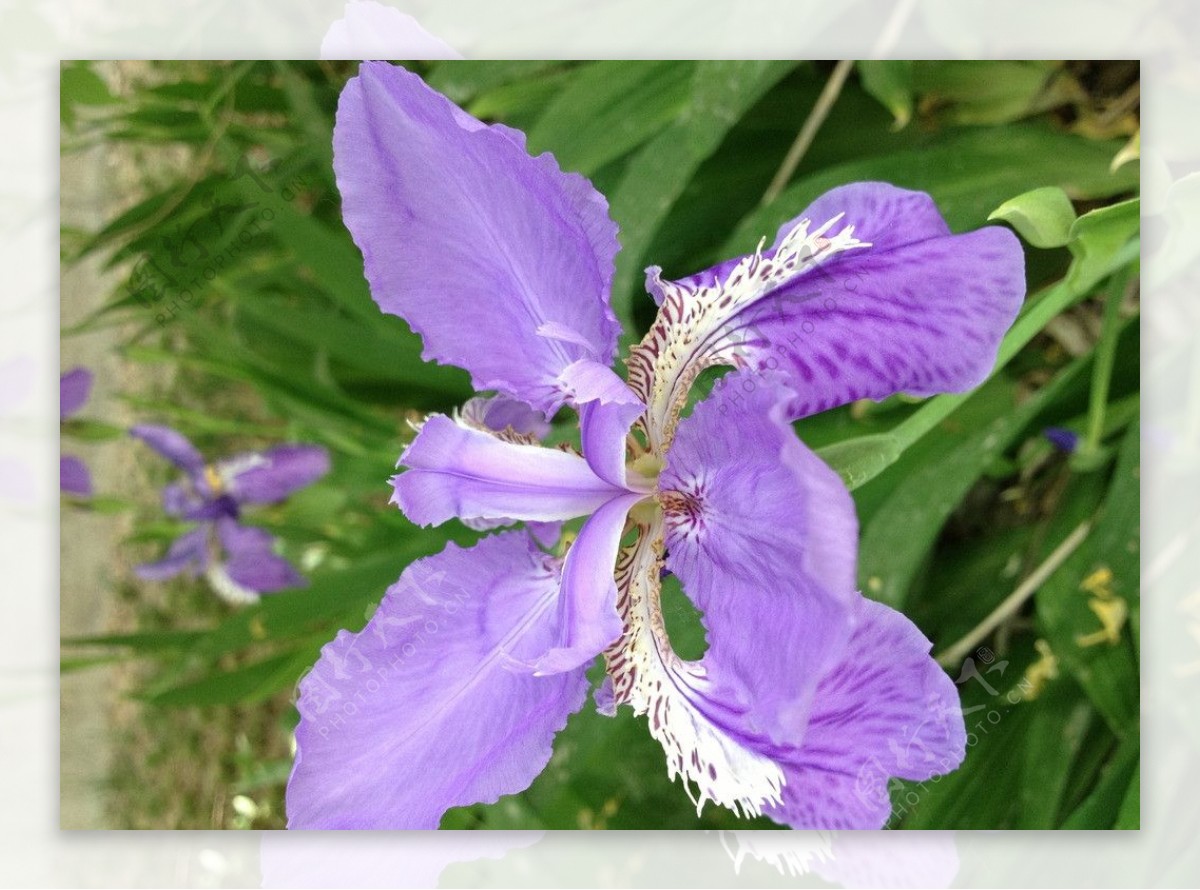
x: 1014, y: 600
x: 808, y: 132
x: 1106, y: 351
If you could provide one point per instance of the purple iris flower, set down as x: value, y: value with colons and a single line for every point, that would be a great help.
x: 238, y: 561
x: 74, y: 389
x: 809, y: 697
x: 1062, y: 438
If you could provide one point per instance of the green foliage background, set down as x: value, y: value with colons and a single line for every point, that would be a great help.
x: 960, y: 498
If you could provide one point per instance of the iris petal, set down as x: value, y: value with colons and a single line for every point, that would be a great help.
x: 477, y: 245
x: 274, y: 474
x: 456, y: 471
x: 886, y: 709
x: 421, y: 710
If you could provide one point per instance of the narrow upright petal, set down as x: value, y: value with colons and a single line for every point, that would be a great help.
x: 172, y: 445
x: 187, y: 553
x: 74, y: 389
x: 587, y: 604
x: 607, y: 409
x: 74, y: 476
x: 456, y: 471
x: 425, y: 708
x: 763, y: 538
x: 274, y: 474
x: 251, y: 562
x: 886, y: 710
x: 500, y: 261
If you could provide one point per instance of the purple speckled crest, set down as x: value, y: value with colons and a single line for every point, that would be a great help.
x: 809, y: 697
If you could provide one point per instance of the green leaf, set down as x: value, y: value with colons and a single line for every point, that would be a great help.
x: 251, y: 682
x: 146, y: 641
x: 1129, y: 817
x: 91, y: 430
x: 987, y: 92
x: 80, y: 85
x: 1059, y: 727
x: 890, y: 81
x: 464, y: 79
x: 1043, y: 217
x: 1101, y: 808
x: 969, y: 173
x: 1098, y: 236
x: 1101, y: 578
x: 608, y: 109
x: 721, y: 93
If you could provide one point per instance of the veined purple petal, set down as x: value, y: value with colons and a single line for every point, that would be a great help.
x: 74, y: 476
x: 887, y: 709
x: 763, y: 537
x: 501, y: 262
x: 251, y: 562
x: 187, y: 553
x: 421, y: 711
x: 74, y: 388
x: 456, y: 471
x: 172, y: 445
x: 501, y: 413
x: 607, y: 409
x: 587, y: 604
x: 865, y: 294
x: 274, y: 474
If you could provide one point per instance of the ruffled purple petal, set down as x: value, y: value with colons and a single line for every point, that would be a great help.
x: 251, y: 562
x: 763, y: 537
x: 587, y: 605
x: 423, y: 710
x: 456, y: 471
x: 172, y: 445
x: 501, y: 262
x: 274, y: 474
x: 865, y: 294
x: 187, y: 553
x: 886, y: 710
x: 74, y: 477
x: 607, y: 409
x: 74, y: 388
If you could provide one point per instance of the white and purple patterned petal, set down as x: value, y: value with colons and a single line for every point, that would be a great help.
x: 172, y: 445
x: 74, y: 476
x: 886, y: 710
x: 74, y: 389
x: 763, y: 538
x: 187, y: 553
x: 863, y: 295
x: 426, y: 708
x: 456, y: 471
x: 500, y: 261
x: 270, y: 476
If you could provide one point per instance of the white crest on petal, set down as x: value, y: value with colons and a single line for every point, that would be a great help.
x: 228, y: 589
x: 227, y: 471
x: 647, y: 675
x: 693, y: 329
